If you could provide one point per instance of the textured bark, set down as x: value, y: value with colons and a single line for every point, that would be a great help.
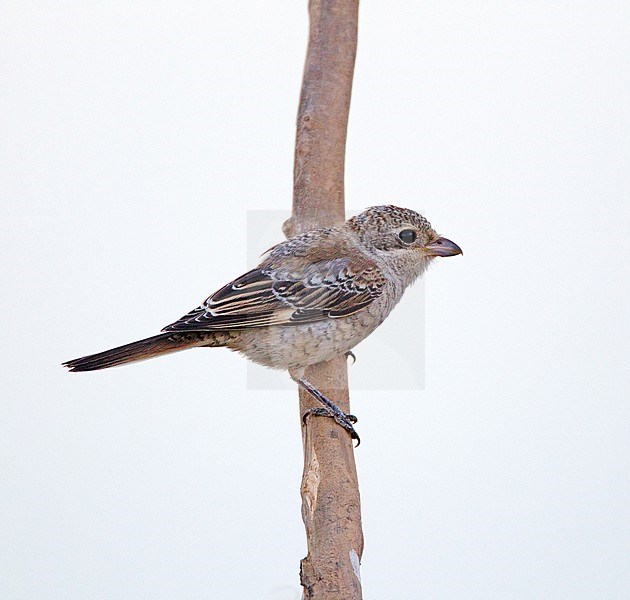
x: 330, y: 490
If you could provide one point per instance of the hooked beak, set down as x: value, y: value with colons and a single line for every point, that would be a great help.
x: 442, y: 247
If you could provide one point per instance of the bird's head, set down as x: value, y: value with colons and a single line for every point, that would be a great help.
x: 402, y: 237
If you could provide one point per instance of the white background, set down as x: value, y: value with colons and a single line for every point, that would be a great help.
x: 135, y: 138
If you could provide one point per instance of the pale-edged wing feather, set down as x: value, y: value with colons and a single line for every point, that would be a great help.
x: 285, y: 291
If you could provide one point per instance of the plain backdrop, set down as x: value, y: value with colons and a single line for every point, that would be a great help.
x: 136, y: 136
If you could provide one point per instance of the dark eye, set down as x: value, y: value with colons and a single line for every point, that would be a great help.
x: 408, y: 236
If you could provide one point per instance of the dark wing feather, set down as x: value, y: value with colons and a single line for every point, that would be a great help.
x: 276, y: 295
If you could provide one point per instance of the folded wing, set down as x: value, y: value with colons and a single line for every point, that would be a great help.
x: 289, y: 292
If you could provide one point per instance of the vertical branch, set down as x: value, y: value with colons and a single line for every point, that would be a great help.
x: 330, y: 491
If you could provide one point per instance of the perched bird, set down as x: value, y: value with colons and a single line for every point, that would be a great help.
x: 313, y: 297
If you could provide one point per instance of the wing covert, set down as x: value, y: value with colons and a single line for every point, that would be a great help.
x: 275, y: 295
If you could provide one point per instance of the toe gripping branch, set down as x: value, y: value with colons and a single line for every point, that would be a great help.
x: 330, y: 410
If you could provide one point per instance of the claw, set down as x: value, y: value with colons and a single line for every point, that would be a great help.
x: 330, y: 410
x: 346, y: 421
x: 350, y: 354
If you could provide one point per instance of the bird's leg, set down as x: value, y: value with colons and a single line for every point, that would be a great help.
x: 350, y: 354
x: 330, y: 410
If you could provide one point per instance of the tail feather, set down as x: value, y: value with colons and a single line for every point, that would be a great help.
x: 164, y: 343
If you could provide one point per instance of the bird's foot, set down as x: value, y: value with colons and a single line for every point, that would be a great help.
x: 351, y: 355
x: 324, y: 412
x: 346, y: 421
x: 330, y: 409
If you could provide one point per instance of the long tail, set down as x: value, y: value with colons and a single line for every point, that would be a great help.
x: 164, y: 343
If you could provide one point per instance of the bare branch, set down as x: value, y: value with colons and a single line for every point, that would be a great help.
x: 330, y: 492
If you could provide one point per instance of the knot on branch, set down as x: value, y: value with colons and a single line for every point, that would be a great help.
x: 288, y: 227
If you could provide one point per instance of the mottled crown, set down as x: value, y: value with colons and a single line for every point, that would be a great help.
x: 387, y: 217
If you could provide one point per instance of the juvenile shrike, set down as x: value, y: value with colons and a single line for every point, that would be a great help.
x: 313, y: 297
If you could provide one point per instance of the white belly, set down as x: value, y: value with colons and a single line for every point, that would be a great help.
x: 292, y: 346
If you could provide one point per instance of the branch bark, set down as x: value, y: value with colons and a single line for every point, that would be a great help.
x: 330, y: 490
